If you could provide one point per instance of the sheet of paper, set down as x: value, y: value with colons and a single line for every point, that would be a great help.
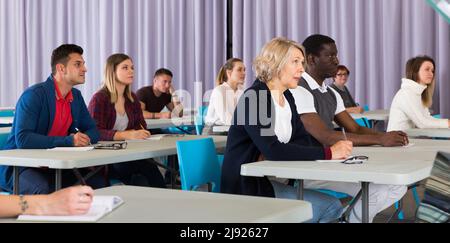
x: 72, y: 149
x: 101, y: 206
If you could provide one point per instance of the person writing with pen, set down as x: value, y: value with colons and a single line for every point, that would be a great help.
x: 46, y: 117
x: 118, y: 115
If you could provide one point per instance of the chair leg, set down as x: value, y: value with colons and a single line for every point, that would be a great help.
x: 398, y: 212
x: 416, y: 196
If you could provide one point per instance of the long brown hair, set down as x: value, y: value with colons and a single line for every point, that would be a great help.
x: 110, y: 77
x: 412, y: 72
x: 222, y: 77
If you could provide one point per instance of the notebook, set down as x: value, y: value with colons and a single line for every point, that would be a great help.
x: 101, y: 206
x: 72, y: 149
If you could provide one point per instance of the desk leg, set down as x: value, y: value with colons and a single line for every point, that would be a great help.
x: 300, y: 189
x: 16, y: 180
x: 365, y: 202
x: 58, y: 180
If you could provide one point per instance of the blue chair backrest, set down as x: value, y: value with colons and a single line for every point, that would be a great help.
x: 366, y: 108
x: 7, y: 113
x: 200, y: 119
x: 3, y: 139
x: 363, y: 122
x: 199, y: 164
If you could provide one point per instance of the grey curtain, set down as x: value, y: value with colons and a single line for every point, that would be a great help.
x: 375, y: 38
x: 185, y: 36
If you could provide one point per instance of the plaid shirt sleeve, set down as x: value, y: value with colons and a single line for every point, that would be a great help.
x: 103, y: 112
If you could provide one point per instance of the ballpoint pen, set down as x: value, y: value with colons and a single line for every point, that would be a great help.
x: 345, y: 135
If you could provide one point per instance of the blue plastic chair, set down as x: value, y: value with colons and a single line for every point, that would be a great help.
x: 199, y: 164
x: 363, y: 122
x: 3, y: 139
x: 7, y: 113
x: 200, y: 119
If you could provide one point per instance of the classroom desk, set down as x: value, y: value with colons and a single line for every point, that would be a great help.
x: 166, y: 123
x: 395, y: 166
x: 136, y: 150
x: 432, y: 133
x: 6, y: 120
x: 221, y: 129
x: 152, y: 205
x: 375, y: 115
x: 5, y: 130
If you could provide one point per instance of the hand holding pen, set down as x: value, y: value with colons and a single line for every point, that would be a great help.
x: 80, y: 139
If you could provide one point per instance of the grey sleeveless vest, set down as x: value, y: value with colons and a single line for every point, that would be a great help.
x: 346, y: 96
x: 325, y: 104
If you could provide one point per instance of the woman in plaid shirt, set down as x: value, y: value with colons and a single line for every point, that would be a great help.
x: 119, y: 117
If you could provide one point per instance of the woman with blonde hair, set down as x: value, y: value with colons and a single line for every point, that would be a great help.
x: 411, y: 104
x: 225, y: 96
x: 119, y: 117
x: 266, y: 126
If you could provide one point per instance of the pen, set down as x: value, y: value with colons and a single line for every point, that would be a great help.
x: 79, y: 177
x: 343, y: 132
x: 78, y: 130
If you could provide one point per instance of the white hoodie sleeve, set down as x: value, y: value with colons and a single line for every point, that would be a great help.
x: 414, y: 109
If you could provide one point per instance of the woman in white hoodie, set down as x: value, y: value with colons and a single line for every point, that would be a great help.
x: 411, y: 104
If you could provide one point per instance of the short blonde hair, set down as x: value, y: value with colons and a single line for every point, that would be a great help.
x: 272, y: 58
x: 110, y: 77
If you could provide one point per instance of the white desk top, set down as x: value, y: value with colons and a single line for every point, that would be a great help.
x: 5, y: 130
x: 165, y: 123
x: 435, y: 133
x: 6, y: 120
x: 377, y: 115
x: 397, y: 172
x: 173, y: 206
x: 220, y: 129
x: 152, y: 205
x: 396, y: 165
x: 7, y: 108
x: 68, y: 160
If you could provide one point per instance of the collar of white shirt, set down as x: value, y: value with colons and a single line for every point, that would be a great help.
x: 313, y: 83
x: 413, y: 86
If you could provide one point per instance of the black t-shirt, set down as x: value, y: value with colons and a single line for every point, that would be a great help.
x: 153, y: 103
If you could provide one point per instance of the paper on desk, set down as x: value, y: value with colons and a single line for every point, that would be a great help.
x: 156, y: 137
x: 409, y: 145
x: 331, y: 161
x: 72, y: 149
x: 101, y: 206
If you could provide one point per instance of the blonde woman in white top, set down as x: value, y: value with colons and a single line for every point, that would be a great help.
x: 411, y: 104
x: 225, y: 96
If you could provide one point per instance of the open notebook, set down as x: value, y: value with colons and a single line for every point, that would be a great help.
x: 101, y: 206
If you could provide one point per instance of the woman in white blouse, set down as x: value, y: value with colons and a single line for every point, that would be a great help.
x: 225, y: 96
x: 410, y: 107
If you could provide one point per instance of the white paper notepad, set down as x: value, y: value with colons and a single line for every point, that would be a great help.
x: 101, y: 206
x: 72, y: 149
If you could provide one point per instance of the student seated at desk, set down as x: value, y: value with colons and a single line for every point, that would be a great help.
x: 75, y: 200
x: 161, y: 94
x: 338, y: 85
x: 52, y: 114
x: 318, y: 105
x: 119, y: 117
x: 411, y: 104
x: 225, y: 96
x: 266, y: 125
